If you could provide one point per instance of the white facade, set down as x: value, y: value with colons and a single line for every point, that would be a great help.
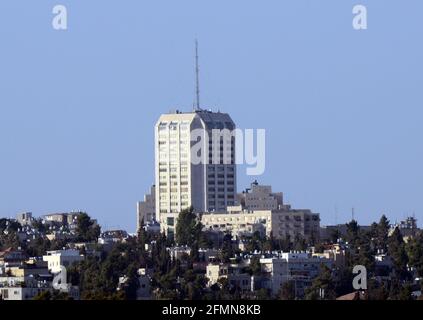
x: 281, y: 224
x: 260, y: 197
x: 239, y: 223
x: 29, y: 279
x: 25, y: 218
x: 300, y: 267
x: 181, y: 182
x: 20, y: 293
x: 65, y: 258
x: 234, y: 274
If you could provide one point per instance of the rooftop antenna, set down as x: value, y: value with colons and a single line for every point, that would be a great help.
x: 352, y: 213
x: 197, y: 78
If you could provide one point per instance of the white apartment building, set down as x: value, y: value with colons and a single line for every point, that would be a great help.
x: 58, y: 258
x: 182, y: 181
x: 146, y: 210
x: 334, y: 252
x: 299, y: 267
x: 259, y: 209
x: 68, y: 219
x: 233, y: 272
x: 239, y: 223
x: 25, y: 218
x: 29, y: 279
x: 23, y: 282
x: 281, y: 224
x: 260, y: 197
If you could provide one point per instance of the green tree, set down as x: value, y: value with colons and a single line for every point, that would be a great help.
x: 300, y: 243
x: 255, y: 266
x: 398, y: 254
x: 263, y: 294
x: 323, y: 286
x: 415, y: 254
x: 38, y: 246
x: 377, y: 291
x: 287, y: 291
x: 365, y: 256
x: 382, y: 232
x: 334, y: 235
x: 227, y: 251
x: 399, y: 290
x: 353, y: 230
x: 188, y: 228
x: 132, y: 283
x: 9, y: 225
x: 39, y: 226
x: 254, y: 242
x: 55, y: 295
x: 319, y: 248
x: 86, y: 229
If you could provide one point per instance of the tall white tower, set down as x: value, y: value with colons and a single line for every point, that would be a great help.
x: 182, y: 181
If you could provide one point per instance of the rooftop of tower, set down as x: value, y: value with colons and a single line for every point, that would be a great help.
x: 177, y: 111
x: 211, y: 118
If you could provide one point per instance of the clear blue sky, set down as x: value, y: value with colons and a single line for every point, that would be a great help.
x: 343, y: 109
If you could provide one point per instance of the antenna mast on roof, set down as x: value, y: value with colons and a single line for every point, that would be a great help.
x: 197, y: 78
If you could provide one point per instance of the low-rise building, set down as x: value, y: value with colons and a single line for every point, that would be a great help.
x: 113, y: 236
x: 260, y: 197
x: 31, y: 278
x: 10, y: 257
x: 407, y: 227
x: 65, y: 220
x: 232, y: 272
x: 281, y: 224
x: 299, y: 267
x: 25, y: 218
x: 177, y: 253
x: 334, y: 252
x: 58, y: 258
x: 152, y: 227
x: 144, y: 289
x: 146, y: 210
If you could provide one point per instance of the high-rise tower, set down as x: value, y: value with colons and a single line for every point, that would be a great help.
x: 181, y: 139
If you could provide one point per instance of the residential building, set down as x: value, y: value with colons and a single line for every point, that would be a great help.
x: 25, y: 218
x: 259, y: 197
x: 335, y: 252
x: 407, y: 227
x: 177, y: 253
x: 58, y: 258
x: 12, y: 258
x: 60, y: 218
x: 28, y: 279
x: 239, y: 223
x: 146, y: 210
x: 234, y: 273
x: 152, y: 227
x: 299, y: 267
x: 194, y: 164
x: 144, y: 289
x: 113, y: 236
x: 65, y: 219
x: 281, y: 224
